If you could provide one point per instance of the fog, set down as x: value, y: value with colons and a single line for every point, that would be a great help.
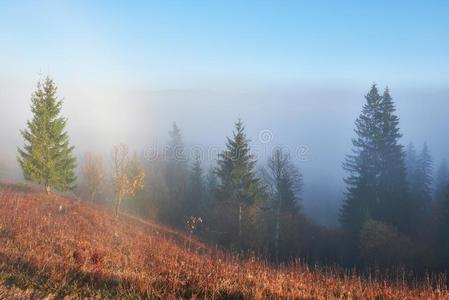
x: 314, y: 122
x: 297, y: 71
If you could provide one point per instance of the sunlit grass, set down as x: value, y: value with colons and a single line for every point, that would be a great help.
x: 51, y: 245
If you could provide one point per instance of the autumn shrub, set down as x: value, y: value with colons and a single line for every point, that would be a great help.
x: 383, y: 245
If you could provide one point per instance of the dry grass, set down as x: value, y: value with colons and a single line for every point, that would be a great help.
x: 82, y: 251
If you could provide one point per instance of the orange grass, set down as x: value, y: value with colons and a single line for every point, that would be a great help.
x: 82, y: 251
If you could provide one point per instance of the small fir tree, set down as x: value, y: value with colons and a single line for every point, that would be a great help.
x: 46, y: 157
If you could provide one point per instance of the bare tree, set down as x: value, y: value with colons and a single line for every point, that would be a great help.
x: 93, y: 174
x: 284, y: 182
x: 128, y: 175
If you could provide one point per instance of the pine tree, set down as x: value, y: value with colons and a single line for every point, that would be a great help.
x: 392, y: 207
x: 175, y: 179
x: 363, y: 165
x: 46, y: 157
x: 377, y: 184
x: 239, y: 185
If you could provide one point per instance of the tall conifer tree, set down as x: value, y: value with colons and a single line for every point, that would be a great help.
x: 239, y: 185
x: 377, y: 184
x: 392, y: 205
x: 175, y: 179
x: 46, y: 157
x: 362, y: 165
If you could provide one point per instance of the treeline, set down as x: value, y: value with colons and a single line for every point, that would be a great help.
x: 393, y: 213
x: 233, y: 201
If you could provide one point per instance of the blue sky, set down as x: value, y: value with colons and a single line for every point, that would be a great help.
x: 196, y: 44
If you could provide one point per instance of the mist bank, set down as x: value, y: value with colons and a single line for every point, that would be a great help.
x: 319, y: 120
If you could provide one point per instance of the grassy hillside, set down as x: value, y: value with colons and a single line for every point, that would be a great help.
x: 55, y: 247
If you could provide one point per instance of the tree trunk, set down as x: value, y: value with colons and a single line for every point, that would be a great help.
x: 47, y: 189
x: 240, y: 223
x: 277, y: 233
x: 118, y: 200
x: 92, y: 196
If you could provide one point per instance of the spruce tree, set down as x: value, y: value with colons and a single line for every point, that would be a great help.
x: 392, y: 205
x: 46, y: 157
x: 362, y: 165
x: 377, y: 184
x: 175, y: 179
x: 239, y: 185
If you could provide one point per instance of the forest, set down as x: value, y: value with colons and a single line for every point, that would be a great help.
x: 394, y: 214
